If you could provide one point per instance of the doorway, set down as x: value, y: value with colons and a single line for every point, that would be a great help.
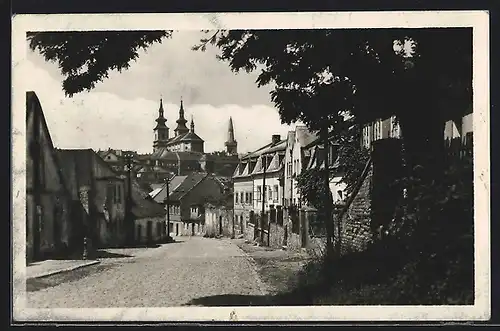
x: 176, y: 229
x: 139, y: 233
x: 149, y: 232
x: 192, y: 229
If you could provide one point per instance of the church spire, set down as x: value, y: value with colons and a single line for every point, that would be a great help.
x: 231, y: 144
x: 161, y: 129
x: 160, y: 111
x: 181, y: 122
x: 192, y: 124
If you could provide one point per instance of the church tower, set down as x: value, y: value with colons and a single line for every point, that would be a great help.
x: 231, y: 144
x: 181, y: 123
x: 160, y: 130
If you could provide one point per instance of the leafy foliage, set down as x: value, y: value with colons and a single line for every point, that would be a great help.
x: 311, y: 186
x: 320, y: 75
x: 86, y: 57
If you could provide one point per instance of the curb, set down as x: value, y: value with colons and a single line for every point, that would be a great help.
x: 263, y: 287
x: 66, y: 270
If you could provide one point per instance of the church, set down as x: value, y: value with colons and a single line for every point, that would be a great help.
x: 183, y: 153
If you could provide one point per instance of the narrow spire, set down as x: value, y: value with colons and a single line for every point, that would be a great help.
x: 192, y: 124
x: 231, y: 144
x: 160, y: 111
x: 230, y: 130
x: 181, y: 121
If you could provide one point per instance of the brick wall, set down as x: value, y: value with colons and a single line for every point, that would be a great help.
x: 355, y: 233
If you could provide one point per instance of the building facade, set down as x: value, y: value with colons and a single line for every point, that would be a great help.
x: 53, y: 225
x: 258, y: 182
x: 297, y: 156
x: 187, y: 199
x: 101, y: 191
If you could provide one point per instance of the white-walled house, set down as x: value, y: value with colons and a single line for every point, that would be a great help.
x: 297, y: 157
x: 249, y: 176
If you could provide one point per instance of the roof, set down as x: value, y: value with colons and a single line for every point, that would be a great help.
x: 160, y: 193
x: 143, y: 205
x: 187, y: 185
x: 32, y: 100
x: 226, y: 182
x: 191, y: 136
x: 165, y: 154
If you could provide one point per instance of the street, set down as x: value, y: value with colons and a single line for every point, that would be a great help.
x: 170, y: 275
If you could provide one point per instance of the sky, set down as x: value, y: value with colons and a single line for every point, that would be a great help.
x: 120, y: 112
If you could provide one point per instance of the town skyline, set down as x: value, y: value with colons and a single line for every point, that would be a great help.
x: 116, y: 106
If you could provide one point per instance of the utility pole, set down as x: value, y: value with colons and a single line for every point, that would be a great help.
x: 167, y: 200
x: 128, y: 205
x: 263, y: 198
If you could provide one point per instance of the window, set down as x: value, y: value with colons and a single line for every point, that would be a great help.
x: 250, y: 196
x: 236, y: 195
x: 241, y: 197
x: 269, y: 193
x: 275, y: 194
x: 259, y: 193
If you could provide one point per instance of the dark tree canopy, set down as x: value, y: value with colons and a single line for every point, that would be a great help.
x: 86, y: 57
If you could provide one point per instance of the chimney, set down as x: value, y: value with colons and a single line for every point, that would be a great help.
x: 276, y: 138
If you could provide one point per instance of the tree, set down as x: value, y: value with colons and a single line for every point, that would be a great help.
x: 86, y: 57
x: 321, y: 74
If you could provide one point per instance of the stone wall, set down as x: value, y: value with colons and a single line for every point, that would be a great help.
x: 219, y: 221
x: 355, y: 230
x: 249, y: 232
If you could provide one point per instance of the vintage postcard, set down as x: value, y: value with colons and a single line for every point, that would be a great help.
x: 251, y: 167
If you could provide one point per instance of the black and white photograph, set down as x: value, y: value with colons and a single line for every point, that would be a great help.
x: 251, y: 166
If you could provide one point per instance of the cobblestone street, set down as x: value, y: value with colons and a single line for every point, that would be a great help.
x: 170, y: 275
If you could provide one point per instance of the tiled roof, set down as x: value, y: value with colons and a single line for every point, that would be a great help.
x: 187, y: 185
x: 257, y: 152
x: 161, y: 193
x: 143, y: 205
x: 275, y: 164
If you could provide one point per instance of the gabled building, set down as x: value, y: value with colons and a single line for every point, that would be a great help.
x: 149, y: 217
x: 100, y: 190
x: 380, y: 129
x: 55, y: 223
x: 188, y: 195
x: 297, y: 157
x: 257, y: 171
